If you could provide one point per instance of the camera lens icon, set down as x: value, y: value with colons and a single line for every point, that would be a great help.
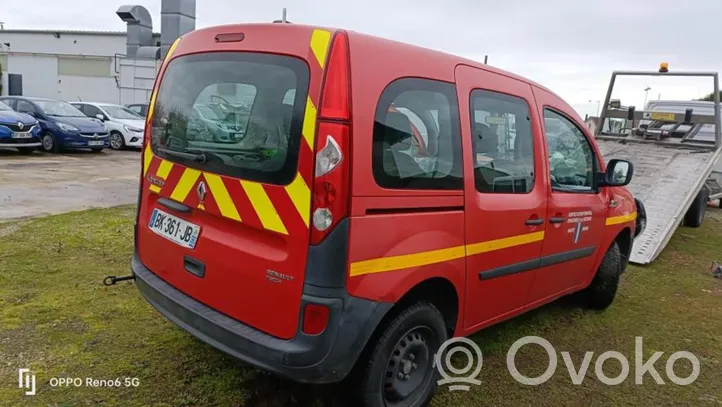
x: 461, y: 345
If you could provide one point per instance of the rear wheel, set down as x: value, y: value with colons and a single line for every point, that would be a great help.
x: 695, y: 213
x: 397, y: 370
x: 26, y: 150
x: 50, y: 143
x: 601, y: 292
x: 117, y: 141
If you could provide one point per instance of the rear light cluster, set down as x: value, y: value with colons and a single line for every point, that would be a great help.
x: 333, y: 144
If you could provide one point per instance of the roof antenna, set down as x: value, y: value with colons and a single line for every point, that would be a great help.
x: 283, y: 19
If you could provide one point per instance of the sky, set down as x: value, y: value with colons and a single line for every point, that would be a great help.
x: 569, y: 46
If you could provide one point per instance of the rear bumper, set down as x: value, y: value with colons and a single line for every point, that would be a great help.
x: 324, y: 358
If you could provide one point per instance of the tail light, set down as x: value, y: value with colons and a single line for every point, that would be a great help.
x: 315, y: 319
x: 333, y: 144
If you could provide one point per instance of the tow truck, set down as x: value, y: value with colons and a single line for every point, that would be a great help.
x: 675, y: 148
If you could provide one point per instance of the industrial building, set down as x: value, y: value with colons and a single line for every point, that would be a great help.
x: 98, y: 66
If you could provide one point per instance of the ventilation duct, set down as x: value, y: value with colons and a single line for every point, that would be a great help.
x: 140, y: 28
x: 177, y: 17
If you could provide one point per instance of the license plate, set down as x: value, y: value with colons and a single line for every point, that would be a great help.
x: 96, y: 143
x: 22, y: 135
x: 662, y: 116
x: 174, y: 229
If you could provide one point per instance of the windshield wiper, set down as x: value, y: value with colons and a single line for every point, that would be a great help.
x: 187, y: 156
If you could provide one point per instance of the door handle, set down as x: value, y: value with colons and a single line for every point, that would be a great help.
x: 537, y: 221
x: 556, y: 219
x: 174, y: 205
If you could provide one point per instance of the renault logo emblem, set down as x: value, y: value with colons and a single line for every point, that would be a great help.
x: 96, y: 135
x: 21, y: 126
x: 201, y: 191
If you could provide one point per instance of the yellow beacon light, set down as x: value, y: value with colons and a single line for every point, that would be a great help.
x: 664, y: 67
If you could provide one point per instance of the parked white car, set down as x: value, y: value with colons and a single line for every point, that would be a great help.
x: 125, y: 126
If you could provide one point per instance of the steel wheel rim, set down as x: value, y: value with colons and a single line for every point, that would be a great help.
x: 409, y: 366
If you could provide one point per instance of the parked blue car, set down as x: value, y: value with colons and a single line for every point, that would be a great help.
x: 18, y: 130
x: 62, y: 126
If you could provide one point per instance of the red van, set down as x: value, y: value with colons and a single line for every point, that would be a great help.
x: 325, y: 204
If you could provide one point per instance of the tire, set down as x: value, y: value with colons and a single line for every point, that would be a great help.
x: 117, y: 141
x: 695, y: 214
x: 49, y: 143
x: 26, y: 150
x: 406, y: 344
x: 603, y: 289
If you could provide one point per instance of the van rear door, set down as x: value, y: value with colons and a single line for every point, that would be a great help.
x: 225, y: 195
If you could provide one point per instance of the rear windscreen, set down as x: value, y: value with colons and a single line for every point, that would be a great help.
x: 235, y: 114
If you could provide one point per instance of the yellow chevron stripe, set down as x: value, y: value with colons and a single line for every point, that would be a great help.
x: 222, y: 197
x: 309, y: 123
x: 164, y: 169
x: 147, y: 158
x: 498, y: 244
x: 300, y: 195
x: 319, y: 45
x: 615, y: 220
x: 438, y: 256
x: 264, y: 207
x: 185, y: 184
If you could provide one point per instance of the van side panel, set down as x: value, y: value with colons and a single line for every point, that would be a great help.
x: 398, y: 238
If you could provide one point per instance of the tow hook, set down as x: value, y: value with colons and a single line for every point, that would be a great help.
x: 112, y: 280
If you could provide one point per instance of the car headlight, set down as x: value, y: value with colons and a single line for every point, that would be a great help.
x: 67, y: 127
x: 133, y: 129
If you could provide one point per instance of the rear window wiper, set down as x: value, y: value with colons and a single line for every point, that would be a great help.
x: 186, y: 156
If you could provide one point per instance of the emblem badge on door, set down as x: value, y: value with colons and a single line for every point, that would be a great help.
x: 201, y: 190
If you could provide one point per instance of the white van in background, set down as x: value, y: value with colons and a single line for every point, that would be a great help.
x: 125, y: 126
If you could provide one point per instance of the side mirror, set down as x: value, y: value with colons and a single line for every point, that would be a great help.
x: 100, y: 117
x: 619, y: 173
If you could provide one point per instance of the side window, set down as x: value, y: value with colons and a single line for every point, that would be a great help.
x: 25, y: 107
x: 416, y: 138
x: 91, y: 111
x: 135, y: 108
x: 571, y: 158
x: 79, y: 106
x: 11, y: 102
x: 502, y: 143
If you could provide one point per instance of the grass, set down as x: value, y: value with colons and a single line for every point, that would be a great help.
x: 58, y: 319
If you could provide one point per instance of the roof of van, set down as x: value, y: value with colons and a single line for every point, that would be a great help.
x: 398, y: 47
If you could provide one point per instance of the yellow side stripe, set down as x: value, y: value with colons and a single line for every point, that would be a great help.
x: 309, y: 123
x: 319, y: 45
x: 185, y: 184
x: 264, y: 207
x: 154, y: 188
x: 441, y: 255
x: 222, y: 197
x: 498, y: 244
x: 405, y: 261
x: 615, y: 220
x: 300, y: 195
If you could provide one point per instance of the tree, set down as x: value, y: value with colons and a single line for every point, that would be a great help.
x: 710, y: 97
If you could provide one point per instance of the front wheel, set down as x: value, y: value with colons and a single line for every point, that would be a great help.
x: 601, y: 292
x: 397, y: 370
x: 50, y: 143
x: 117, y: 141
